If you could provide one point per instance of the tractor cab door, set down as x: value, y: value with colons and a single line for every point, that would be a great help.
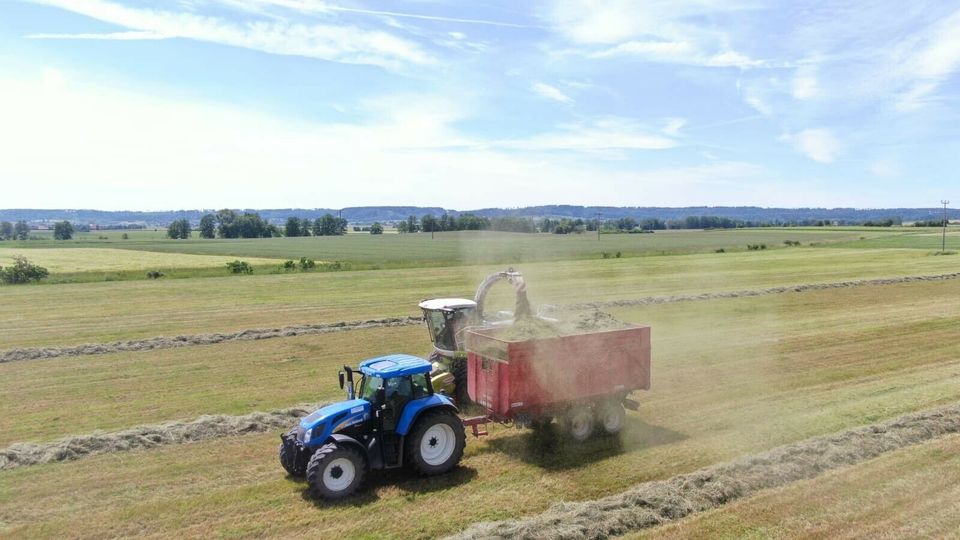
x: 398, y: 392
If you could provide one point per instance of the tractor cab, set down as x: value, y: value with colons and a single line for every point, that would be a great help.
x: 446, y: 318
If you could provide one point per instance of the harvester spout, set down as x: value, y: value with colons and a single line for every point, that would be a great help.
x: 513, y: 277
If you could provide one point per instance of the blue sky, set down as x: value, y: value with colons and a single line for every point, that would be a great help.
x: 136, y: 104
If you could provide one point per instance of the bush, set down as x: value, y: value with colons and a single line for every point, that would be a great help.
x: 240, y: 267
x: 618, y: 254
x: 721, y: 250
x: 154, y: 274
x: 605, y: 255
x: 756, y: 247
x: 289, y: 265
x: 22, y: 271
x: 792, y: 242
x: 125, y: 236
x: 307, y: 264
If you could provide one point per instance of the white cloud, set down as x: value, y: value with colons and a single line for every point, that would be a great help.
x: 820, y: 144
x: 883, y: 169
x: 550, y: 92
x: 930, y: 59
x: 606, y: 134
x: 117, y: 36
x: 673, y: 126
x: 338, y: 43
x: 805, y: 84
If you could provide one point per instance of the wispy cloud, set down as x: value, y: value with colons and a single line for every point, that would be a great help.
x: 819, y: 144
x: 132, y: 35
x: 673, y: 126
x: 550, y: 92
x: 600, y: 135
x: 337, y: 43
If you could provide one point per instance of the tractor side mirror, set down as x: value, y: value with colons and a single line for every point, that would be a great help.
x: 341, y: 379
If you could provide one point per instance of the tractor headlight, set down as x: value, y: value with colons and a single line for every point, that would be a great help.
x: 307, y: 434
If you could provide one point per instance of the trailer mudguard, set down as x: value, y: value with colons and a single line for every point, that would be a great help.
x: 413, y: 409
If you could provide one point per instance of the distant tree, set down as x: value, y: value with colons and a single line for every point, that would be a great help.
x: 412, y: 225
x: 179, y: 229
x: 429, y: 223
x: 292, y: 228
x: 63, y: 230
x: 227, y: 224
x: 306, y: 225
x: 125, y: 236
x: 6, y: 230
x: 239, y: 267
x: 329, y: 225
x: 22, y: 271
x: 376, y: 228
x: 208, y: 226
x: 402, y: 227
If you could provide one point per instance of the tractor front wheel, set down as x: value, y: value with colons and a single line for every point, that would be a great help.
x: 436, y: 443
x: 335, y: 472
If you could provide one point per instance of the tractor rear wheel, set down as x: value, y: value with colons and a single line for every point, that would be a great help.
x: 578, y: 423
x: 435, y: 445
x: 335, y: 471
x: 612, y: 417
x: 292, y: 457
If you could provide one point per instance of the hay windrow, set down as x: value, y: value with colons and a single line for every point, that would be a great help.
x: 653, y: 503
x: 149, y: 436
x: 171, y: 342
x: 168, y: 342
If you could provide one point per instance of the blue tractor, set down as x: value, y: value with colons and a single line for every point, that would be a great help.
x: 391, y: 418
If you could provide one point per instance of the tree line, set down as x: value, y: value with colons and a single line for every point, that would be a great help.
x: 229, y: 224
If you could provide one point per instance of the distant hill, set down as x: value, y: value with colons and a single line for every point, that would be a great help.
x: 369, y: 214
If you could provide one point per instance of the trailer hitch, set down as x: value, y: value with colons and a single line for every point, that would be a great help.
x: 477, y: 424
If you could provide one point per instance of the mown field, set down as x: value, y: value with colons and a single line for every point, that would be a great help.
x: 468, y: 247
x: 68, y: 314
x: 103, y: 260
x: 731, y: 376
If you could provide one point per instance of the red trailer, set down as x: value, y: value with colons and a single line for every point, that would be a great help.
x: 582, y: 379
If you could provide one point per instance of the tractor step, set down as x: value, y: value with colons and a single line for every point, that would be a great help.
x: 477, y: 424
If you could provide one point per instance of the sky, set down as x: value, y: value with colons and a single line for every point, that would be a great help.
x: 178, y: 104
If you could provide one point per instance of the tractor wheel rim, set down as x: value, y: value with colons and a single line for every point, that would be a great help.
x: 339, y: 474
x: 580, y: 425
x: 437, y: 444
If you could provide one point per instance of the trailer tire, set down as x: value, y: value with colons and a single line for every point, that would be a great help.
x: 435, y: 445
x: 578, y: 423
x: 293, y: 459
x: 611, y: 416
x: 335, y: 472
x: 458, y: 367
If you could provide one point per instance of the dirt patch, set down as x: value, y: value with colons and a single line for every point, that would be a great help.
x: 171, y: 342
x: 653, y: 503
x: 150, y: 436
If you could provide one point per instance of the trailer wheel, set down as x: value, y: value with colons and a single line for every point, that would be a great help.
x: 612, y: 417
x: 335, y: 472
x: 578, y: 423
x: 436, y: 443
x: 292, y: 458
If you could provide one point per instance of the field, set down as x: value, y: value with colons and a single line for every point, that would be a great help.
x: 732, y: 376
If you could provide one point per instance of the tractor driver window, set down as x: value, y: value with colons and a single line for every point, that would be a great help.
x: 420, y: 385
x: 399, y: 390
x: 369, y: 389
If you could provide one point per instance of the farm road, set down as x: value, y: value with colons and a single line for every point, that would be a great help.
x: 169, y: 342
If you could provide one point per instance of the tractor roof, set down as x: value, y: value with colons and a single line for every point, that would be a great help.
x: 447, y: 303
x: 395, y: 365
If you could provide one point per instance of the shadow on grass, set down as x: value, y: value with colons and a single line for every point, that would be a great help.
x: 548, y: 447
x: 403, y: 478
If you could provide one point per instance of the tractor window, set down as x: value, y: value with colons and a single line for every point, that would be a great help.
x: 399, y: 389
x: 368, y: 390
x: 420, y: 388
x: 439, y: 331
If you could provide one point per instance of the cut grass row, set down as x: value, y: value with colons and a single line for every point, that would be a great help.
x: 910, y: 493
x: 731, y: 377
x: 71, y: 314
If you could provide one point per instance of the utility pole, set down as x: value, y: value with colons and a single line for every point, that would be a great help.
x: 943, y: 242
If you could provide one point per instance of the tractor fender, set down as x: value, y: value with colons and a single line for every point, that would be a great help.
x: 346, y: 440
x: 414, y: 408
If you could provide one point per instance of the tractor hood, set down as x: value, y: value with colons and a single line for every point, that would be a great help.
x: 320, y: 424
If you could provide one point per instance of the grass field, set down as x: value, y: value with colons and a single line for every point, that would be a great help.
x: 97, y: 312
x: 75, y: 260
x: 731, y: 376
x: 911, y: 493
x: 794, y: 365
x: 469, y: 247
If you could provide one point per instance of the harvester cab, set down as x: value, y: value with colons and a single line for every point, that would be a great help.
x: 391, y: 416
x: 448, y: 318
